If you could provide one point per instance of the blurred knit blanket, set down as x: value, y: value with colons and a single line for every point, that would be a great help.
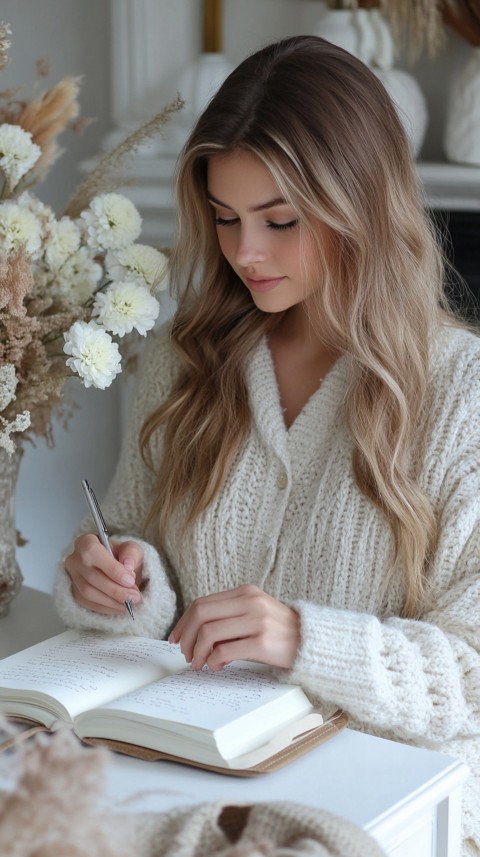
x: 52, y: 804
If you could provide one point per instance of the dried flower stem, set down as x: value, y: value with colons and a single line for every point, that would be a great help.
x: 419, y: 20
x: 102, y: 179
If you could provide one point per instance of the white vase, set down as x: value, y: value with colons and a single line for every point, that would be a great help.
x: 462, y: 127
x: 366, y: 34
x: 410, y: 102
x: 197, y: 84
x: 349, y: 29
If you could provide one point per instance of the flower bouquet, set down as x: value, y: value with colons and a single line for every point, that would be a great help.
x: 71, y: 287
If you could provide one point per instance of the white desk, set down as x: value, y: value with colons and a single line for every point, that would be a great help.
x: 407, y: 798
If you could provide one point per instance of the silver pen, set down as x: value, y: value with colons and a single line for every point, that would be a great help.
x: 102, y: 531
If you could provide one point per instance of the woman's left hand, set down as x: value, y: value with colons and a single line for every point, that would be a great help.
x: 239, y: 624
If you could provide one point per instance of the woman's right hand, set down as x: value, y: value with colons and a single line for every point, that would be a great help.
x: 102, y: 582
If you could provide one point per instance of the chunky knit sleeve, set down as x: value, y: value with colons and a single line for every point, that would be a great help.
x: 418, y: 680
x: 126, y: 506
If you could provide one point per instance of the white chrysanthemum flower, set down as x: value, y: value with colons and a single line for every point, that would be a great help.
x: 140, y: 264
x: 78, y: 277
x: 62, y: 242
x: 18, y: 153
x: 44, y: 213
x: 20, y: 423
x: 19, y: 227
x: 8, y: 385
x: 110, y: 222
x: 124, y: 307
x: 94, y: 355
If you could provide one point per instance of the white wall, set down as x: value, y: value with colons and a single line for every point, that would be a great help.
x: 75, y: 36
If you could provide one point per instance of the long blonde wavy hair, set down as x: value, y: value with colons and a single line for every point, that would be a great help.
x: 326, y: 129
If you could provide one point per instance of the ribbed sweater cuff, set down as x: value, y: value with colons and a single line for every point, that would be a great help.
x: 153, y: 616
x: 335, y: 656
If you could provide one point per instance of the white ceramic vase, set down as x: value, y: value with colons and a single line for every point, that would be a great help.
x: 366, y: 34
x: 348, y: 28
x: 410, y: 102
x: 197, y: 85
x: 462, y: 127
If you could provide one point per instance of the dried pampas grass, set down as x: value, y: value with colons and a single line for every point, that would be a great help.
x: 105, y: 177
x: 420, y: 21
x: 46, y: 117
x: 50, y: 810
x: 416, y: 23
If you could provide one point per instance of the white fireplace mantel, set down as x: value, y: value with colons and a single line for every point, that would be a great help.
x: 451, y: 187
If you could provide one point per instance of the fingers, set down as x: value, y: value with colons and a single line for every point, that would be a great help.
x: 239, y: 624
x: 130, y: 554
x: 94, y: 599
x: 206, y: 609
x: 100, y: 581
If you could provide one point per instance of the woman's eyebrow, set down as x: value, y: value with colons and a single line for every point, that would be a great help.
x: 279, y: 200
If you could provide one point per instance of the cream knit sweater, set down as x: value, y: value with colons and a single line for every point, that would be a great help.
x: 291, y: 520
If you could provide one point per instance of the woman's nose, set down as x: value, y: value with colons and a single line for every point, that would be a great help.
x: 250, y: 248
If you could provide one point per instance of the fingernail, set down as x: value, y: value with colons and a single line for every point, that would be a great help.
x: 127, y: 580
x: 129, y: 565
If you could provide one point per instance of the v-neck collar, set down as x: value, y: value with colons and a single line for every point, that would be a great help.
x: 315, y: 417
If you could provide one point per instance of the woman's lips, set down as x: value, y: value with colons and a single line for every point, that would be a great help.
x: 263, y: 284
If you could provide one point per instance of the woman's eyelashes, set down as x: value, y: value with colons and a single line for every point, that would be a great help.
x: 224, y: 221
x: 289, y: 225
x: 270, y: 224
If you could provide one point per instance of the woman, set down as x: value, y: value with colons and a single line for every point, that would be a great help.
x: 306, y: 490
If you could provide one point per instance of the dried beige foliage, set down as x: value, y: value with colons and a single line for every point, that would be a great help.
x: 46, y: 117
